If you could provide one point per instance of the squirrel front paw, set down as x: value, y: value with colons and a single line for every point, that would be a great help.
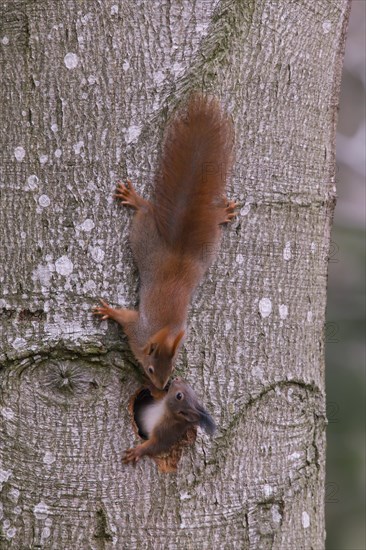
x: 132, y: 455
x: 127, y: 194
x: 105, y: 311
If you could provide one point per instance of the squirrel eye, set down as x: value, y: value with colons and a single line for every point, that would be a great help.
x: 151, y: 370
x: 179, y: 396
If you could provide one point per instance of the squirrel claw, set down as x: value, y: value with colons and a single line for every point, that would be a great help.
x: 103, y: 311
x: 229, y: 211
x: 131, y: 455
x: 128, y: 196
x: 126, y: 193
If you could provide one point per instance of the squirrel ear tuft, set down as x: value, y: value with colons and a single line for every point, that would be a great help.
x: 177, y: 341
x: 162, y: 341
x: 150, y: 348
x: 156, y: 341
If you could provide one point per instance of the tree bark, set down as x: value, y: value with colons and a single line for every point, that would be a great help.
x: 86, y: 90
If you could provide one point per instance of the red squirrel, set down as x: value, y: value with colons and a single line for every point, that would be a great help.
x: 165, y: 420
x: 174, y: 237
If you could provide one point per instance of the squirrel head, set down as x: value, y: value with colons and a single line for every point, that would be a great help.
x: 183, y: 403
x: 160, y: 352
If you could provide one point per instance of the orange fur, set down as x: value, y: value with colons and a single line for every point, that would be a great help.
x: 174, y: 239
x: 190, y: 185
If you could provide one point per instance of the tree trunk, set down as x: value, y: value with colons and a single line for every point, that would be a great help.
x: 86, y: 90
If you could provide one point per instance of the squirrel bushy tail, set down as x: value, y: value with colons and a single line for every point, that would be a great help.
x: 190, y: 184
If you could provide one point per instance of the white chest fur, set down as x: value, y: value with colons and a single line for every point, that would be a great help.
x: 151, y: 416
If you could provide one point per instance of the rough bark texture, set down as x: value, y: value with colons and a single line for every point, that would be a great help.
x: 86, y: 88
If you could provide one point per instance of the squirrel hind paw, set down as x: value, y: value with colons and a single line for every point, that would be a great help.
x: 126, y: 193
x: 229, y: 212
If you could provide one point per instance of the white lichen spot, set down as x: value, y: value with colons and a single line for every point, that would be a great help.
x: 4, y: 475
x: 19, y: 343
x: 97, y: 254
x: 43, y: 159
x: 313, y: 247
x: 54, y: 128
x: 58, y: 153
x: 92, y: 79
x: 265, y: 307
x: 5, y: 40
x: 14, y: 495
x: 125, y: 65
x: 268, y: 490
x: 305, y: 520
x: 7, y: 413
x: 276, y: 514
x: 86, y: 18
x: 159, y: 77
x: 114, y: 9
x: 48, y: 458
x: 43, y: 274
x: 245, y: 209
x: 178, y: 68
x: 239, y: 259
x: 294, y: 456
x: 132, y: 133
x: 327, y: 25
x: 32, y: 183
x: 185, y: 496
x: 309, y: 316
x: 71, y: 60
x: 202, y: 28
x: 48, y: 522
x: 17, y: 510
x: 19, y: 153
x: 10, y: 533
x: 64, y: 266
x: 257, y: 372
x: 41, y: 510
x: 44, y: 201
x: 77, y: 147
x: 104, y: 135
x: 6, y: 524
x: 87, y: 225
x: 45, y: 533
x: 287, y: 251
x: 283, y: 309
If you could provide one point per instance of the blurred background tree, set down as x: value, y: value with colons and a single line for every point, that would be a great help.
x: 345, y: 490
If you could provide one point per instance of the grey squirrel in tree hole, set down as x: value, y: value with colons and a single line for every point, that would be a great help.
x: 174, y: 238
